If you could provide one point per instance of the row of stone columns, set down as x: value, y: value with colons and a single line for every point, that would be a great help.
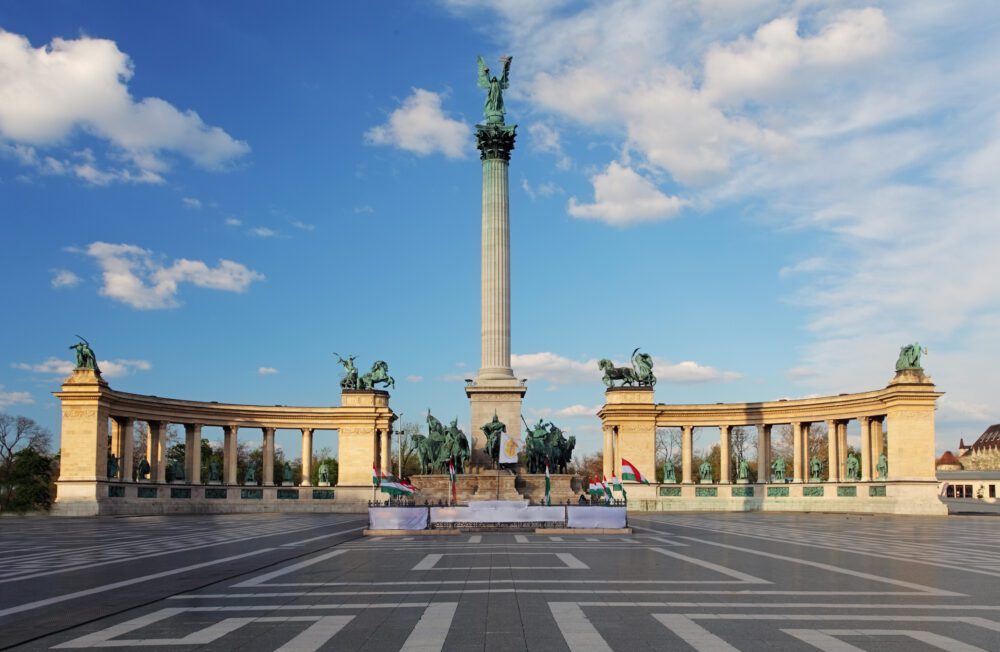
x: 872, y: 447
x: 122, y: 447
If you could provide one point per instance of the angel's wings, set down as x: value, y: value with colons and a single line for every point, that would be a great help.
x: 484, y: 73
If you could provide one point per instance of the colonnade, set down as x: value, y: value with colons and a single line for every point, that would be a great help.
x: 123, y: 438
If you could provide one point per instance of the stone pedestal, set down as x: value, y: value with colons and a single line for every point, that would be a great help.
x: 324, y: 484
x: 532, y: 487
x: 487, y: 398
x: 468, y: 487
x: 742, y: 481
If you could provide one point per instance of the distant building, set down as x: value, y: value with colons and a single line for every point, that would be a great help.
x: 984, y: 454
x: 948, y: 462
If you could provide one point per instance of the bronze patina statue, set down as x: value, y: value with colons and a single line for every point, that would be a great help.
x: 909, y: 357
x: 324, y: 473
x: 743, y: 471
x: 441, y: 446
x: 882, y: 467
x: 493, y: 431
x: 493, y: 108
x: 815, y: 469
x: 286, y: 476
x: 378, y: 374
x: 112, y: 467
x: 640, y: 373
x: 778, y: 467
x: 251, y: 474
x: 853, y: 467
x: 143, y: 470
x: 705, y: 472
x: 85, y: 358
x: 669, y: 474
x: 213, y: 471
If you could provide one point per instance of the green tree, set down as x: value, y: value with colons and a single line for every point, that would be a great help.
x: 25, y: 465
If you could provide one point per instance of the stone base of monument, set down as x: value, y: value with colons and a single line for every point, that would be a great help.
x: 324, y: 484
x: 469, y: 487
x: 742, y: 481
x: 532, y: 487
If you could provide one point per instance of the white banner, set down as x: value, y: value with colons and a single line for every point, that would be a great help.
x: 595, y: 517
x: 397, y: 518
x: 510, y: 446
x: 494, y: 511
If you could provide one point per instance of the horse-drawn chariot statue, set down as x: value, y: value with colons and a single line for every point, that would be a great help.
x: 640, y: 374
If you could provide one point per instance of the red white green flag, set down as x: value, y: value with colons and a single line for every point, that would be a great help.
x: 389, y: 485
x: 630, y: 473
x: 616, y: 485
x: 548, y: 485
x: 595, y: 489
x: 375, y: 478
x: 606, y: 488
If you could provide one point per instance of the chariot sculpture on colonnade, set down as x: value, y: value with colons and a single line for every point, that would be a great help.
x: 640, y: 374
x: 378, y: 374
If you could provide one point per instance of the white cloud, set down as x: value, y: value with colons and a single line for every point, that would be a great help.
x: 263, y: 232
x: 302, y: 226
x: 134, y: 276
x: 414, y: 379
x: 191, y: 202
x: 53, y: 366
x: 7, y: 399
x: 622, y: 197
x: 420, y: 126
x: 358, y: 210
x: 577, y: 410
x: 804, y: 266
x: 48, y: 93
x: 232, y: 221
x: 546, y: 138
x: 689, y: 372
x: 266, y: 371
x: 63, y: 278
x: 546, y: 189
x: 554, y: 368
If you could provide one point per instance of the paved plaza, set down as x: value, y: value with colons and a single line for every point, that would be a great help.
x: 692, y: 581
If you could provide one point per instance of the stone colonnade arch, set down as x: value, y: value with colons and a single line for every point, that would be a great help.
x: 630, y: 418
x: 363, y: 421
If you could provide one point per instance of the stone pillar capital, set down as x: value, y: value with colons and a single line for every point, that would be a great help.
x: 495, y: 141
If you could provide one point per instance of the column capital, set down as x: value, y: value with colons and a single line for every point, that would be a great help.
x: 268, y: 429
x: 495, y: 141
x: 305, y: 431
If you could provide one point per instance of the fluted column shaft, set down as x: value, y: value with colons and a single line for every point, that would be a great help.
x: 763, y: 453
x: 833, y: 447
x: 866, y: 449
x: 158, y: 450
x: 267, y: 460
x: 116, y: 444
x: 192, y: 453
x: 608, y: 456
x: 307, y: 456
x: 724, y: 456
x: 687, y: 446
x: 229, y: 454
x: 495, y: 270
x: 128, y: 447
x: 386, y: 449
x: 798, y: 452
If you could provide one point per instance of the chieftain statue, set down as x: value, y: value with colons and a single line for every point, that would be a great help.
x: 493, y: 431
x: 705, y: 472
x: 546, y: 443
x: 882, y: 467
x: 493, y: 107
x: 351, y: 379
x: 815, y: 469
x: 639, y: 374
x: 142, y: 472
x: 909, y: 357
x: 853, y: 467
x: 324, y: 473
x: 743, y: 470
x: 778, y: 467
x: 440, y: 446
x: 669, y: 474
x: 85, y: 358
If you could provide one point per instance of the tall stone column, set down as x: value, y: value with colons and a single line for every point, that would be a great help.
x: 229, y: 454
x: 128, y: 447
x: 158, y: 450
x: 116, y: 443
x: 798, y: 453
x: 607, y: 457
x: 495, y: 390
x: 878, y: 439
x: 267, y: 459
x: 866, y: 449
x: 687, y: 445
x: 724, y: 456
x: 763, y: 453
x: 386, y: 449
x: 192, y: 453
x: 833, y: 448
x: 842, y: 447
x: 307, y: 455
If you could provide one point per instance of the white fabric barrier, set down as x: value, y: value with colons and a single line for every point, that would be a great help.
x: 595, y: 517
x: 397, y: 518
x: 494, y: 511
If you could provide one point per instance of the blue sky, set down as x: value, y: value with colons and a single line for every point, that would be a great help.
x: 769, y: 197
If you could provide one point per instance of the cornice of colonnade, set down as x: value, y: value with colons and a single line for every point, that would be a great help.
x: 358, y: 407
x: 636, y: 404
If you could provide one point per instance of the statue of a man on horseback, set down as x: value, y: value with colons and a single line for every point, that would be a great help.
x: 640, y: 374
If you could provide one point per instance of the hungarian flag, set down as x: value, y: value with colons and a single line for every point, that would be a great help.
x: 607, y: 489
x: 375, y: 478
x: 391, y: 486
x: 451, y: 478
x: 616, y: 485
x: 629, y: 472
x: 548, y: 485
x: 595, y: 489
x: 409, y: 487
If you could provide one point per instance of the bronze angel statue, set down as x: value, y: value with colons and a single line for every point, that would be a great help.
x: 493, y: 108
